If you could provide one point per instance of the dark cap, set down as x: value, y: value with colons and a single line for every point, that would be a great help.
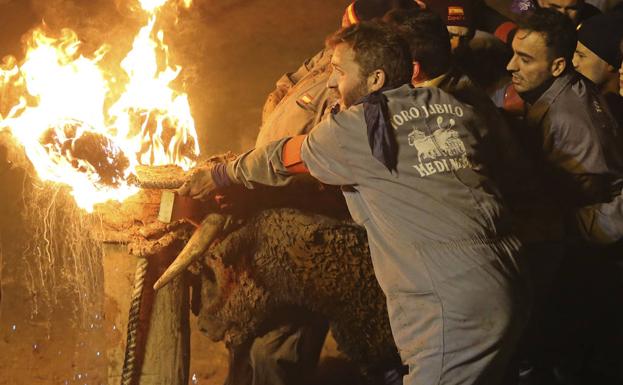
x: 456, y: 13
x: 602, y: 34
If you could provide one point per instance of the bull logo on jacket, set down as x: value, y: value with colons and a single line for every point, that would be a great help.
x: 441, y: 151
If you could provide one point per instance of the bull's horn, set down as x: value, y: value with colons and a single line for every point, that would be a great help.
x: 203, y: 237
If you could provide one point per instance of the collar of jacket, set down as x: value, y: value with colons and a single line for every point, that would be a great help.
x: 537, y: 111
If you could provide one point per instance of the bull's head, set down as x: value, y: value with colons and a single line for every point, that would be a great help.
x: 286, y: 258
x: 233, y: 303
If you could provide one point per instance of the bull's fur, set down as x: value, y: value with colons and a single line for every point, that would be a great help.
x: 285, y: 257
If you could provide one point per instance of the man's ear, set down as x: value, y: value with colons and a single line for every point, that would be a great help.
x: 376, y: 80
x: 558, y: 66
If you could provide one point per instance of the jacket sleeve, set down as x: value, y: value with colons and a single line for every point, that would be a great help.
x: 321, y: 152
x: 325, y: 155
x: 260, y: 166
x: 580, y: 167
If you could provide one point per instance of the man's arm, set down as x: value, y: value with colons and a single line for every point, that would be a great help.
x: 319, y: 153
x: 579, y: 163
x: 261, y: 166
x: 275, y: 163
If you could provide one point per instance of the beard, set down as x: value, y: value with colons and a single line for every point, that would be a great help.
x: 350, y: 97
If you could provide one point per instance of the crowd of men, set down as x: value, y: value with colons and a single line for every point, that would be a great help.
x: 490, y: 190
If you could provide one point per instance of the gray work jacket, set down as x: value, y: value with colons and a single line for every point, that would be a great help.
x: 439, y: 195
x: 582, y: 154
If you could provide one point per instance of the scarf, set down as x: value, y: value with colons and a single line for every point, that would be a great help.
x: 381, y: 137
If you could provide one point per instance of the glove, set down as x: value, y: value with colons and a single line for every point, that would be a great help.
x: 199, y: 185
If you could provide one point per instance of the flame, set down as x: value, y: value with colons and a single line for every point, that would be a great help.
x: 152, y: 5
x: 77, y: 130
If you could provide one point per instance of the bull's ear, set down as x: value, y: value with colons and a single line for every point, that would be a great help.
x: 376, y: 80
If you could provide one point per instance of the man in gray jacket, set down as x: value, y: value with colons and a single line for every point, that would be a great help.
x: 411, y: 165
x: 578, y: 149
x: 291, y: 348
x: 577, y: 139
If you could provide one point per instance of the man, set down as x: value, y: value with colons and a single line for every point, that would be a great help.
x: 439, y: 236
x: 578, y: 140
x: 597, y: 54
x: 598, y: 58
x: 576, y: 10
x: 290, y: 349
x: 578, y: 149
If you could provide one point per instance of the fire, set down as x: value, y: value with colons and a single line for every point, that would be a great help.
x: 77, y: 130
x: 151, y: 5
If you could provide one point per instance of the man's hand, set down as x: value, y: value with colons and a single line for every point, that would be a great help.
x: 199, y: 185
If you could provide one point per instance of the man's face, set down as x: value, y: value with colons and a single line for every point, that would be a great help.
x: 346, y: 80
x: 531, y: 64
x: 590, y: 65
x: 570, y: 8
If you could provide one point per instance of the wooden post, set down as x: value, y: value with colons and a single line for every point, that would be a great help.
x: 163, y: 336
x: 167, y: 349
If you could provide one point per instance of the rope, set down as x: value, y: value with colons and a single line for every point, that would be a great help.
x: 128, y: 374
x: 156, y: 183
x: 158, y: 177
x: 162, y: 185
